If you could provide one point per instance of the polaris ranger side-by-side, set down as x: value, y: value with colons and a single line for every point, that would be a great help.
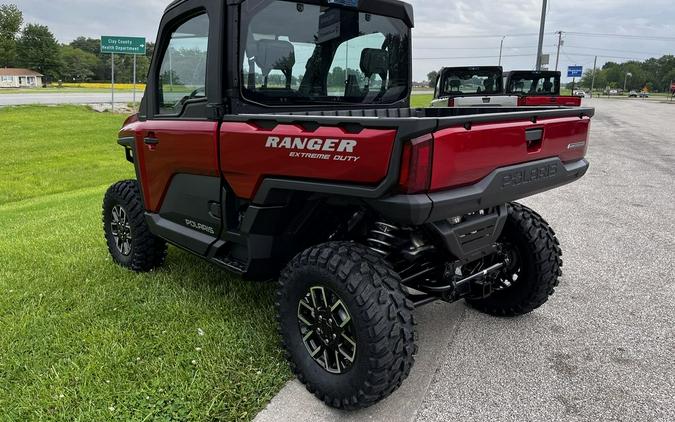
x: 480, y: 86
x: 538, y: 88
x: 275, y: 140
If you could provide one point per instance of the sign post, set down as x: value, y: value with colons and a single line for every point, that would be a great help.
x: 112, y: 79
x: 122, y: 45
x: 574, y: 72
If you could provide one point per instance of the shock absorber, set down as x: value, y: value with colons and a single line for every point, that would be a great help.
x: 382, y: 237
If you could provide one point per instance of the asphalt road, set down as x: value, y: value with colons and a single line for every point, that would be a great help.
x: 603, y: 347
x: 66, y: 98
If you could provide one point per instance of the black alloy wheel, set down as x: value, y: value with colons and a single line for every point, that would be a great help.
x: 327, y: 329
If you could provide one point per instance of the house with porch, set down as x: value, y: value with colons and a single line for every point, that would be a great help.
x: 19, y: 78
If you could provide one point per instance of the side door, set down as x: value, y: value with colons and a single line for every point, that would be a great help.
x: 176, y: 140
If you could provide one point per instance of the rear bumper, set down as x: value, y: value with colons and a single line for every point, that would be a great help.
x: 502, y: 185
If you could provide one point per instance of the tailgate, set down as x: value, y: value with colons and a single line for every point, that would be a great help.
x: 465, y: 155
x: 560, y: 100
x: 487, y: 101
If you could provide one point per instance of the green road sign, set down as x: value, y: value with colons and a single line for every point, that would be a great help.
x: 122, y: 45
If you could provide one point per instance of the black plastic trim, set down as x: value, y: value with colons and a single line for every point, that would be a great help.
x: 181, y: 236
x: 460, y: 240
x: 502, y: 185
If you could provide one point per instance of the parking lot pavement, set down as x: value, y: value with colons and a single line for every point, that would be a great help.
x: 603, y: 347
x: 66, y: 98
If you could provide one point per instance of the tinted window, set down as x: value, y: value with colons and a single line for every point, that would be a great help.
x: 294, y: 53
x: 468, y: 82
x: 534, y: 84
x: 182, y: 75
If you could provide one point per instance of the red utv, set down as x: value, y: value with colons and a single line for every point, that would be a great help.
x: 538, y: 88
x: 275, y: 139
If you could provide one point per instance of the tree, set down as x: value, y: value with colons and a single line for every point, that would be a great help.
x: 78, y: 65
x: 37, y: 49
x: 11, y: 19
x: 432, y: 77
x: 90, y: 45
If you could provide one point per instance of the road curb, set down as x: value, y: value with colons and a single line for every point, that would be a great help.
x: 437, y: 325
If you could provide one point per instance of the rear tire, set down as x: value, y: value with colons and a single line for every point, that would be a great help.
x: 539, y: 261
x: 130, y: 242
x: 371, y: 313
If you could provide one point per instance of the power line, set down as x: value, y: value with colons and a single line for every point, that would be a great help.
x: 471, y: 57
x: 639, y: 37
x: 606, y: 56
x: 481, y: 36
x: 477, y: 48
x: 608, y: 49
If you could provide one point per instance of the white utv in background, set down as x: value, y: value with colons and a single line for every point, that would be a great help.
x: 472, y: 87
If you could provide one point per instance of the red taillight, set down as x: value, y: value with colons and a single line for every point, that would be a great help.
x: 451, y: 102
x: 416, y: 165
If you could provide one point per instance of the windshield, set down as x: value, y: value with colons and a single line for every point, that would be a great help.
x: 534, y: 84
x: 456, y: 82
x: 296, y: 53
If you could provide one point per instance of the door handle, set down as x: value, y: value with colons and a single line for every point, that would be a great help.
x: 149, y: 140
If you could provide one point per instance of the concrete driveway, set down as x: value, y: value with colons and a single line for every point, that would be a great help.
x: 603, y: 347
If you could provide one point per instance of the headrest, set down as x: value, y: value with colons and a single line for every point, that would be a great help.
x: 374, y: 61
x: 275, y: 54
x: 455, y: 84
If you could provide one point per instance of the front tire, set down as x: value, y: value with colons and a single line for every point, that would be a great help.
x: 130, y: 242
x: 535, y: 265
x: 346, y: 324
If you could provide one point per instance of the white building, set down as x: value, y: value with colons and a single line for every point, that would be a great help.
x: 19, y: 78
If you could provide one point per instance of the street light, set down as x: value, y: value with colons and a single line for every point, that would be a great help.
x: 626, y: 80
x: 501, y: 47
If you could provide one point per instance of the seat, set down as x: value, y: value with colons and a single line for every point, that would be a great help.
x: 275, y: 55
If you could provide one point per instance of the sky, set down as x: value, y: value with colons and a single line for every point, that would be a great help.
x: 447, y: 32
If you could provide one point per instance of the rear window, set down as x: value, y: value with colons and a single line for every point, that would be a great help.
x: 456, y: 82
x: 534, y: 84
x: 307, y: 54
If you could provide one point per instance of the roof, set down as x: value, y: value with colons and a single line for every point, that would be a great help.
x: 393, y: 8
x: 11, y: 71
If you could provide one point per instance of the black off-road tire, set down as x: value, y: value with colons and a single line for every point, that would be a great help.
x: 541, y: 262
x: 381, y: 314
x: 145, y: 251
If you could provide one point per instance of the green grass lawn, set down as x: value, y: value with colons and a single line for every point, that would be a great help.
x: 81, y: 338
x: 421, y: 100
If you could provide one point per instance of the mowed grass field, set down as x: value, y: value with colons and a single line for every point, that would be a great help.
x: 421, y: 100
x: 82, y: 339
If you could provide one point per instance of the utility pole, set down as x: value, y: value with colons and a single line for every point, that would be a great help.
x: 501, y: 47
x: 541, y: 33
x: 557, y: 56
x: 595, y: 62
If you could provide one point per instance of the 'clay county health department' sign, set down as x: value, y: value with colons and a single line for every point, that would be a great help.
x: 122, y: 45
